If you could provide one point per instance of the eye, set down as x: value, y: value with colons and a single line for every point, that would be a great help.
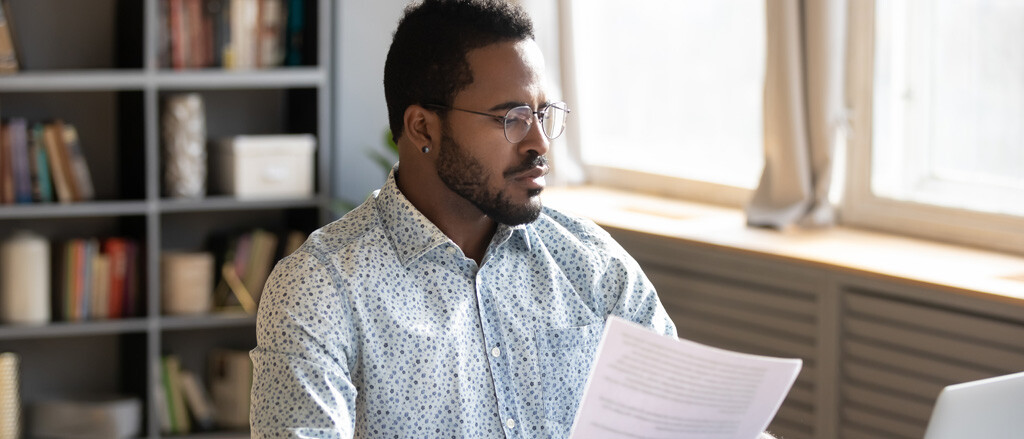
x: 520, y: 115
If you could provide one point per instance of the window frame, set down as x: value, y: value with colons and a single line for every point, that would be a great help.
x: 860, y: 207
x: 855, y: 201
x: 628, y: 179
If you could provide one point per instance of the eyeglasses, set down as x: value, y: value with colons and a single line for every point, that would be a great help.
x: 518, y: 120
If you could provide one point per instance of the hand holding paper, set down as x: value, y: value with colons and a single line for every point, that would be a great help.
x: 646, y: 385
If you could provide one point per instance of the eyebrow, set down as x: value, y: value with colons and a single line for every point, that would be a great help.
x: 513, y: 104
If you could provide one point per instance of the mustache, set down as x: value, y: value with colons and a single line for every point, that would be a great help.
x: 528, y: 164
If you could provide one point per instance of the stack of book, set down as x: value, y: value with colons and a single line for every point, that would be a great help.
x: 98, y: 279
x: 42, y: 162
x: 246, y: 264
x: 184, y: 405
x: 241, y: 34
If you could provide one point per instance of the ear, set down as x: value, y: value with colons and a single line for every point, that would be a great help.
x: 422, y: 127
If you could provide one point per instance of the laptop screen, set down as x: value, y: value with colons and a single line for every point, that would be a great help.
x: 991, y: 408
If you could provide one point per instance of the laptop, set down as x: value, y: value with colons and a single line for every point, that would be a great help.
x: 992, y: 408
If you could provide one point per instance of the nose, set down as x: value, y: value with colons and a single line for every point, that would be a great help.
x: 535, y: 140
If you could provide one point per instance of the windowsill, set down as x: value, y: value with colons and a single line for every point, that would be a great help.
x: 970, y: 271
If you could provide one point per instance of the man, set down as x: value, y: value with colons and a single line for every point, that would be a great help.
x: 451, y: 303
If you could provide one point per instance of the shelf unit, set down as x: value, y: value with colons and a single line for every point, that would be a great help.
x: 96, y: 64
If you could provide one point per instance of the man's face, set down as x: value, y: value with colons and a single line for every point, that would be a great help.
x: 502, y: 179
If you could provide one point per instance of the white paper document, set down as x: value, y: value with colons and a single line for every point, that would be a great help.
x: 646, y: 385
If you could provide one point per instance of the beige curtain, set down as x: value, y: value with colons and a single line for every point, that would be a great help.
x: 803, y: 112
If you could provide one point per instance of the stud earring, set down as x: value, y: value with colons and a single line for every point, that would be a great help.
x: 425, y: 149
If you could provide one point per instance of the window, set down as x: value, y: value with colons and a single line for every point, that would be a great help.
x: 667, y: 98
x: 949, y: 104
x: 671, y: 88
x: 938, y: 97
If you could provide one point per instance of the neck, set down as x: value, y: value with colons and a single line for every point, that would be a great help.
x: 456, y: 217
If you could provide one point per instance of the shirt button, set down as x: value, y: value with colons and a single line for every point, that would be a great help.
x: 450, y: 250
x: 510, y: 423
x: 496, y: 352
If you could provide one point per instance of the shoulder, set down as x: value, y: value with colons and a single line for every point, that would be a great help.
x: 555, y: 225
x: 336, y: 250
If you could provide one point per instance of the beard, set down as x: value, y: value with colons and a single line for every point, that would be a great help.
x: 467, y: 177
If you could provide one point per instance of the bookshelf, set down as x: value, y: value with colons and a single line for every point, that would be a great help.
x: 102, y: 65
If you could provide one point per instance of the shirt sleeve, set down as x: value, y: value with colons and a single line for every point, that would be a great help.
x: 302, y: 386
x: 636, y: 299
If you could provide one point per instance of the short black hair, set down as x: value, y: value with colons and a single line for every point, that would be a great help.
x: 426, y: 63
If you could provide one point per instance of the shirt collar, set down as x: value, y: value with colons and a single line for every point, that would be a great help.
x: 413, y: 235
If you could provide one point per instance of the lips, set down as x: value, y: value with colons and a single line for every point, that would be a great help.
x: 533, y: 178
x: 532, y: 173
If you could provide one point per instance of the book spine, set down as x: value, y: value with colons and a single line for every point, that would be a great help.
x: 100, y: 286
x: 54, y: 140
x: 294, y: 31
x: 198, y: 401
x: 68, y: 287
x: 131, y: 303
x: 6, y: 166
x: 179, y: 415
x: 116, y: 251
x: 42, y: 185
x: 81, y: 177
x: 165, y: 377
x: 21, y: 174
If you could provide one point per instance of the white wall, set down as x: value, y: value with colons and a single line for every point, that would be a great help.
x: 361, y: 116
x: 364, y: 36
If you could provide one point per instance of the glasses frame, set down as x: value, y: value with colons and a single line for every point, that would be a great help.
x: 540, y: 114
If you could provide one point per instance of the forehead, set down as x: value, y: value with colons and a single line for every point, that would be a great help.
x: 511, y: 71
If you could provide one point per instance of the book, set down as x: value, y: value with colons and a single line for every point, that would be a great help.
x: 100, y: 302
x: 180, y: 422
x: 244, y: 23
x: 81, y: 179
x: 645, y: 384
x: 21, y: 177
x: 6, y: 174
x: 295, y: 31
x: 131, y: 303
x: 8, y: 55
x: 90, y: 249
x: 60, y: 169
x: 116, y: 250
x: 197, y: 400
x: 196, y: 29
x: 270, y: 33
x: 293, y: 241
x: 72, y: 293
x: 261, y: 261
x: 220, y: 22
x: 163, y: 410
x: 42, y: 184
x: 175, y: 17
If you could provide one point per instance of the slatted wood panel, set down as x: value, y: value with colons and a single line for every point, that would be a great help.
x: 752, y: 318
x: 899, y: 354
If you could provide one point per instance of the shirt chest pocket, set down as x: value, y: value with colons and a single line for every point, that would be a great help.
x: 565, y: 357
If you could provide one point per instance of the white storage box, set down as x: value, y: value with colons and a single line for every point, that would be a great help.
x: 265, y: 166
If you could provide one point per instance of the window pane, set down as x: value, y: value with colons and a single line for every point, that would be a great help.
x: 671, y: 87
x: 949, y: 103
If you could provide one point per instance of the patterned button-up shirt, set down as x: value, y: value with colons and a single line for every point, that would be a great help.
x: 379, y: 326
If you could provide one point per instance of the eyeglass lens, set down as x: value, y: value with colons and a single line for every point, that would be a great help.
x: 519, y: 119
